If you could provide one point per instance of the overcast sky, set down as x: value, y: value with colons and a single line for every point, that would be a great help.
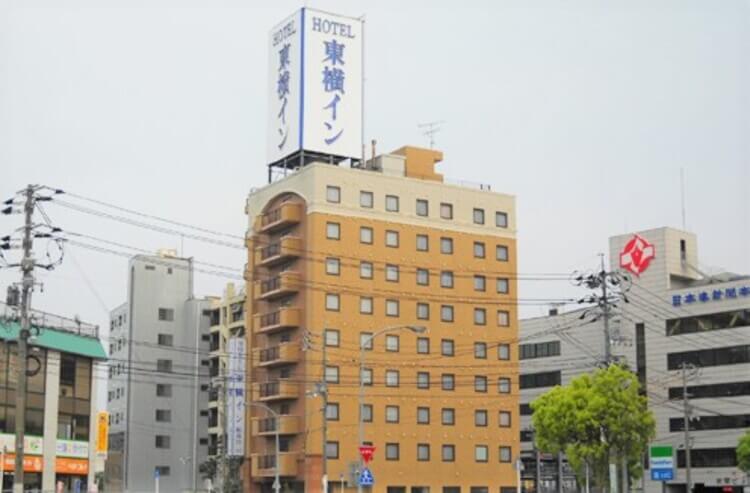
x: 585, y: 110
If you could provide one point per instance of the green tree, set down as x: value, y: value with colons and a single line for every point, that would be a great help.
x: 597, y: 418
x: 743, y: 452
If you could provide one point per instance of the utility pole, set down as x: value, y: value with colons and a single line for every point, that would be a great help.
x: 605, y: 314
x: 324, y: 394
x: 27, y: 285
x: 686, y: 417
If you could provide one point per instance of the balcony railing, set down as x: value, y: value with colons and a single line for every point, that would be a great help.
x: 265, y: 465
x: 282, y: 318
x: 288, y: 282
x: 269, y: 354
x: 284, y: 215
x: 277, y: 390
x: 284, y: 353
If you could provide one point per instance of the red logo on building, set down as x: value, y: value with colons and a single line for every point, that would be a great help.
x: 637, y: 255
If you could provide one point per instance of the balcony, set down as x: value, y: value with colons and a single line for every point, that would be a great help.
x: 283, y: 318
x: 264, y: 466
x: 285, y: 284
x: 288, y: 425
x: 278, y: 390
x: 282, y: 354
x: 281, y: 217
x: 286, y: 248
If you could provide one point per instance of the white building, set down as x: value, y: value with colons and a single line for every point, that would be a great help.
x: 676, y: 315
x: 158, y: 379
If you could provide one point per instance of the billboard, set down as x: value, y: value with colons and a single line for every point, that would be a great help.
x: 102, y: 433
x: 235, y: 412
x: 315, y: 85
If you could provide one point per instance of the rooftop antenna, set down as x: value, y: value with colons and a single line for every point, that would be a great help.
x: 431, y: 128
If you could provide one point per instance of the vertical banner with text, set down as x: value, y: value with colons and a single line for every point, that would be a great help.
x: 235, y: 412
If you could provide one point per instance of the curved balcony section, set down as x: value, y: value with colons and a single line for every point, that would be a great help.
x: 283, y: 354
x: 277, y: 390
x: 264, y: 465
x: 287, y: 248
x: 288, y: 425
x: 285, y: 284
x: 283, y: 318
x: 285, y: 215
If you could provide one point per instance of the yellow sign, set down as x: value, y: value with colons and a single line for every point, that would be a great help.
x: 102, y: 435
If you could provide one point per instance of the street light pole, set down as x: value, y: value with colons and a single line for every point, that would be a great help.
x: 417, y: 329
x: 276, y: 482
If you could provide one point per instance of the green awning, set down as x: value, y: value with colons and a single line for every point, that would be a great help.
x: 59, y: 340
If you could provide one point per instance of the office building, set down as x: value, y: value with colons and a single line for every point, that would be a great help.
x: 158, y: 379
x: 338, y: 254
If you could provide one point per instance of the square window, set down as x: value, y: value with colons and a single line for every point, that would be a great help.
x: 367, y: 376
x: 448, y: 453
x: 332, y: 450
x: 391, y: 343
x: 448, y: 416
x: 391, y: 378
x: 480, y: 384
x: 480, y: 350
x: 503, y: 318
x: 423, y: 451
x: 446, y: 245
x: 423, y: 415
x: 391, y: 451
x: 501, y: 219
x: 446, y: 211
x: 391, y: 414
x: 423, y: 380
x: 504, y: 419
x: 163, y: 415
x: 332, y: 302
x: 367, y: 413
x: 478, y: 216
x: 446, y: 313
x: 332, y: 338
x: 479, y: 249
x: 391, y: 239
x: 332, y: 411
x: 391, y: 203
x: 365, y: 270
x: 162, y: 441
x: 503, y: 385
x: 423, y: 277
x: 505, y: 454
x: 422, y: 207
x: 365, y: 305
x: 446, y: 279
x: 423, y: 311
x: 448, y: 381
x: 333, y: 231
x: 480, y: 316
x: 165, y: 339
x: 480, y: 283
x: 480, y: 417
x: 365, y: 235
x: 332, y: 374
x: 501, y: 253
x: 447, y: 347
x: 166, y: 314
x: 503, y: 351
x: 502, y: 286
x: 365, y: 340
x: 164, y: 365
x: 163, y: 390
x: 481, y: 453
x: 333, y: 194
x: 366, y: 199
x: 391, y: 272
x: 423, y: 243
x: 423, y: 345
x: 333, y: 266
x: 391, y: 308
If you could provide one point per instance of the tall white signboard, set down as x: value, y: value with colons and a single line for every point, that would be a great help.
x: 315, y: 86
x: 235, y: 412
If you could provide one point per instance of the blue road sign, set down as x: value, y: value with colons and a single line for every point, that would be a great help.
x: 365, y: 478
x: 662, y: 474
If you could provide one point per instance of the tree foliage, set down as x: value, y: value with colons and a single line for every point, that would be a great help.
x: 597, y: 417
x: 743, y: 452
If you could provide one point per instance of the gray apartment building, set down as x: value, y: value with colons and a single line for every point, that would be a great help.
x: 677, y: 315
x: 158, y: 379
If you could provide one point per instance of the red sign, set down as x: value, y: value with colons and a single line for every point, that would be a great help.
x: 366, y: 452
x: 637, y: 255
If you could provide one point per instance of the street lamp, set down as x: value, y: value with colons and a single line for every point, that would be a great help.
x: 417, y: 329
x: 276, y: 482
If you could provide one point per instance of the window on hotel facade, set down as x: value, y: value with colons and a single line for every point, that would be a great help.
x: 503, y: 385
x: 367, y: 413
x: 448, y: 381
x: 365, y: 235
x: 391, y: 239
x: 423, y: 277
x: 332, y: 450
x: 503, y: 351
x: 423, y: 243
x: 391, y: 414
x: 332, y: 374
x: 422, y: 207
x: 391, y: 272
x: 367, y: 376
x: 503, y: 318
x: 447, y: 347
x: 481, y: 453
x: 333, y: 194
x: 446, y: 210
x: 391, y: 308
x: 480, y: 283
x: 480, y: 350
x: 505, y: 454
x: 446, y: 279
x: 479, y: 251
x: 365, y: 305
x: 423, y: 345
x: 478, y: 216
x: 448, y: 416
x: 423, y: 311
x: 502, y: 286
x: 332, y: 337
x: 480, y: 417
x: 365, y: 340
x: 391, y: 378
x: 423, y: 415
x: 504, y: 419
x: 391, y: 343
x: 446, y: 245
x: 391, y: 451
x: 446, y: 313
x: 448, y: 453
x: 333, y: 266
x: 501, y: 253
x: 332, y: 411
x: 480, y: 384
x: 333, y: 231
x: 391, y: 203
x: 332, y: 302
x: 480, y: 316
x: 501, y: 219
x: 423, y: 451
x: 366, y: 199
x: 365, y: 270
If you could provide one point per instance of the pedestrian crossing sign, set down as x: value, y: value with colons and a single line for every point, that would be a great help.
x: 365, y: 478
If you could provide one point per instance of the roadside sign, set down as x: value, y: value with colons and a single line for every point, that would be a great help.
x: 366, y: 452
x: 661, y: 462
x: 365, y: 478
